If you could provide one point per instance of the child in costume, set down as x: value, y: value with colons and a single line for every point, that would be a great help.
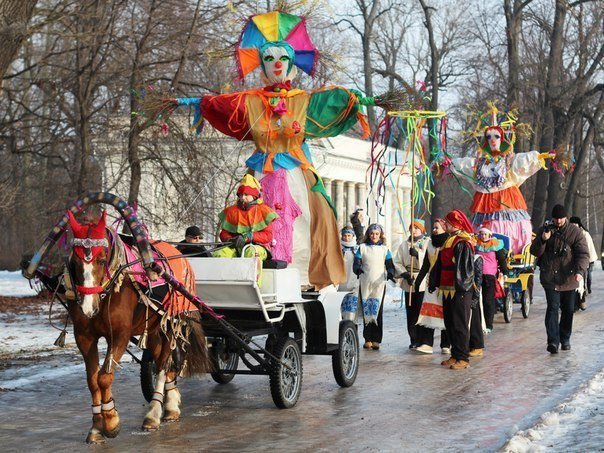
x: 249, y: 221
x: 373, y: 265
x: 278, y: 119
x: 408, y: 261
x: 350, y: 303
x: 494, y: 257
x: 496, y: 174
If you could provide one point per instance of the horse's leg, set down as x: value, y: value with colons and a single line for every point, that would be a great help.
x: 160, y: 350
x: 89, y: 348
x: 172, y: 399
x: 111, y: 419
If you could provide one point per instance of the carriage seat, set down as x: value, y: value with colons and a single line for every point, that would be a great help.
x: 274, y: 264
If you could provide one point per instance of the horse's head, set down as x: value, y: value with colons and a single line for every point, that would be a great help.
x: 88, y: 262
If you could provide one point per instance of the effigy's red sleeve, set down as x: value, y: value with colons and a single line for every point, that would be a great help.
x: 227, y: 113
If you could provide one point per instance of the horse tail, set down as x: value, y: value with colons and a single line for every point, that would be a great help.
x: 197, y: 355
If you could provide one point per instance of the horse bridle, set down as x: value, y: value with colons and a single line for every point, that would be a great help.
x: 103, y: 289
x: 87, y: 244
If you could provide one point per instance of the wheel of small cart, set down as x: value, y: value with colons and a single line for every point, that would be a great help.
x: 148, y: 375
x: 508, y: 303
x: 286, y: 373
x: 345, y: 360
x: 223, y: 360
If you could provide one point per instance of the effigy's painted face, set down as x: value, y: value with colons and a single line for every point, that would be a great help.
x: 276, y: 63
x: 493, y: 137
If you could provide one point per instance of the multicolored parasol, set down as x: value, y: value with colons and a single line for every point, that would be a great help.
x: 275, y: 26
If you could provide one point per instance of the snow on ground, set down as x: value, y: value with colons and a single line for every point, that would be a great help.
x: 12, y: 283
x: 31, y: 333
x: 574, y: 425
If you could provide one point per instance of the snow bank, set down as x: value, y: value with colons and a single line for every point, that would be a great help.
x: 574, y: 425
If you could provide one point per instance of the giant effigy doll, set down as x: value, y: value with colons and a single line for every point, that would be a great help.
x: 496, y: 174
x: 278, y: 118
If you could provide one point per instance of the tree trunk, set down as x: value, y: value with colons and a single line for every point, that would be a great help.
x: 513, y: 27
x: 437, y: 205
x: 134, y: 133
x: 14, y: 17
x: 559, y: 135
x: 550, y: 179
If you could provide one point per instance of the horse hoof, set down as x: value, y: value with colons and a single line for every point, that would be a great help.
x: 170, y: 416
x: 150, y: 425
x: 114, y: 432
x: 95, y: 437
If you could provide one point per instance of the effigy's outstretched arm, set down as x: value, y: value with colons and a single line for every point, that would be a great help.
x: 333, y: 110
x: 525, y: 165
x: 463, y: 167
x: 225, y: 112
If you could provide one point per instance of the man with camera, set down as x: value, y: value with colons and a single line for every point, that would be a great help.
x: 563, y: 257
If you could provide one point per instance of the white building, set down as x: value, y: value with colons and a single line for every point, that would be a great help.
x: 343, y: 163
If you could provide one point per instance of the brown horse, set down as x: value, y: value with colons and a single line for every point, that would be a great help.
x: 104, y: 300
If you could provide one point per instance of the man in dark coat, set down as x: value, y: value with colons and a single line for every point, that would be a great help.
x: 188, y: 246
x: 563, y: 257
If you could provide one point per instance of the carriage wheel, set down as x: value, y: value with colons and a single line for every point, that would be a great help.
x: 286, y: 381
x: 223, y: 360
x: 526, y: 303
x: 508, y: 303
x: 148, y: 375
x: 345, y: 360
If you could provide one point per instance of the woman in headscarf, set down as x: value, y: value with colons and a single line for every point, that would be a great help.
x: 373, y: 265
x: 453, y: 275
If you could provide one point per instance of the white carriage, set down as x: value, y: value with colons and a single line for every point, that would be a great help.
x: 267, y: 305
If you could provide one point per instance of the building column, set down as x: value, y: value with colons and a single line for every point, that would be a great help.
x: 351, y: 200
x: 361, y: 190
x: 339, y: 201
x: 327, y: 184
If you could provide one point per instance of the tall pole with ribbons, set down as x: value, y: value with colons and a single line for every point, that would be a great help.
x: 413, y: 122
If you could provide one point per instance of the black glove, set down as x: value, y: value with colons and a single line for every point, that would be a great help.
x: 408, y: 278
x: 390, y: 276
x: 238, y: 241
x: 431, y: 289
x: 358, y: 271
x: 413, y: 252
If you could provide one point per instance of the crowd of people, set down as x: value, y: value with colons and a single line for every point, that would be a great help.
x: 450, y: 281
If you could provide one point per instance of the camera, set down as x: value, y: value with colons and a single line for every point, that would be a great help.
x: 548, y: 226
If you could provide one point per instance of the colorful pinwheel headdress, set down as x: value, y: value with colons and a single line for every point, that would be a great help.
x: 506, y: 122
x: 277, y: 27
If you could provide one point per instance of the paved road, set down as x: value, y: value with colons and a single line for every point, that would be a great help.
x: 400, y: 401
